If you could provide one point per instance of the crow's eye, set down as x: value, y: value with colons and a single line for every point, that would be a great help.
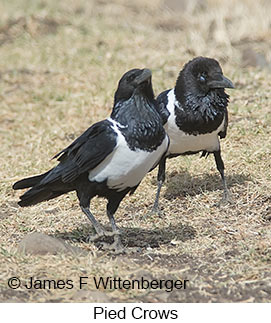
x: 202, y: 77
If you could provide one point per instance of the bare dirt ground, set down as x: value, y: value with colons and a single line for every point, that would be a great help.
x: 59, y: 68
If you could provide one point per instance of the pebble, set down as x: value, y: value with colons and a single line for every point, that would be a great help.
x: 37, y: 243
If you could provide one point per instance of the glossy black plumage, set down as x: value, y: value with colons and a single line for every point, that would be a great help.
x: 195, y: 114
x: 111, y: 157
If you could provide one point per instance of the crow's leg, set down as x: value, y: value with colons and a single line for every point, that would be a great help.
x: 85, y: 194
x: 160, y: 181
x: 117, y: 245
x: 100, y: 231
x: 112, y: 206
x: 220, y: 168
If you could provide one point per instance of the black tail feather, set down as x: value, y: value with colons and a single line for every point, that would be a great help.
x: 29, y: 182
x: 40, y: 189
x: 39, y: 194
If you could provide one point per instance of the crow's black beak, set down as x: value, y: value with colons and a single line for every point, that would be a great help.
x: 220, y: 82
x: 144, y: 76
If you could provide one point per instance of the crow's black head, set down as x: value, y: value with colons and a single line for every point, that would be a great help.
x: 134, y: 80
x: 200, y: 76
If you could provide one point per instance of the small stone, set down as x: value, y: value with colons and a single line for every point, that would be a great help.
x: 91, y: 296
x: 146, y: 274
x: 250, y: 57
x: 183, y: 5
x: 157, y: 297
x: 37, y: 243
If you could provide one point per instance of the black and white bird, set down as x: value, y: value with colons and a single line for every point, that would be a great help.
x: 110, y: 158
x: 195, y: 115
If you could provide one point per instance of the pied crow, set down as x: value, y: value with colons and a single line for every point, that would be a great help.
x: 110, y: 158
x: 195, y: 115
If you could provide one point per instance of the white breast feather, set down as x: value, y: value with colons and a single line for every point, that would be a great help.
x: 181, y: 142
x: 123, y: 167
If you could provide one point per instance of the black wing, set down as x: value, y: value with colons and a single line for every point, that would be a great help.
x: 85, y: 153
x: 162, y: 101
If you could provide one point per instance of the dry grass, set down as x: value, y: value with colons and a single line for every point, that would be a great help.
x: 59, y: 69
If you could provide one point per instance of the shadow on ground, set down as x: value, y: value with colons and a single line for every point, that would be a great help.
x: 183, y: 184
x: 138, y: 237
